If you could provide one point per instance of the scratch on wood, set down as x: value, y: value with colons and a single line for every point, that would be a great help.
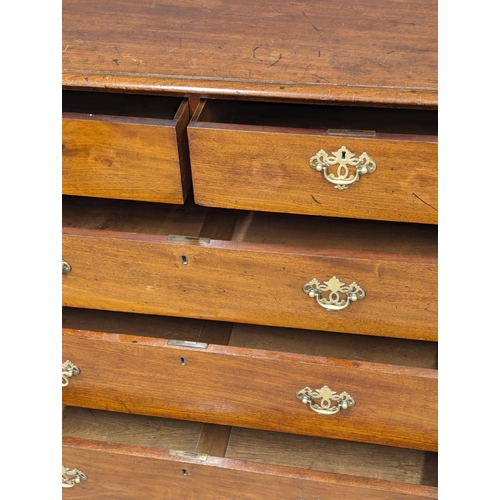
x: 277, y: 61
x: 320, y: 77
x: 138, y: 61
x: 423, y: 201
x: 318, y: 202
x: 304, y: 14
x: 253, y: 53
x: 306, y: 70
x: 66, y: 48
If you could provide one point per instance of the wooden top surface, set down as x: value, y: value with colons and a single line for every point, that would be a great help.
x: 381, y: 52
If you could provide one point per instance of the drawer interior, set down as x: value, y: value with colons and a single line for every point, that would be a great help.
x: 115, y: 104
x: 310, y: 116
x: 128, y: 429
x: 357, y: 459
x: 392, y: 351
x: 254, y: 227
x: 329, y: 455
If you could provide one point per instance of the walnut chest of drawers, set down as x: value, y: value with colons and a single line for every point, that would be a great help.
x: 249, y: 250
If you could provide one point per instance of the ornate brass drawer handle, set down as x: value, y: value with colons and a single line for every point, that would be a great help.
x: 71, y: 477
x: 330, y: 402
x: 68, y: 370
x: 66, y: 268
x: 344, y: 159
x: 315, y: 288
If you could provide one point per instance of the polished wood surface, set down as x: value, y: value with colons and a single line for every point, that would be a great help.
x: 126, y: 157
x: 382, y: 52
x: 265, y: 82
x: 133, y: 473
x: 248, y: 282
x: 395, y: 405
x: 267, y: 168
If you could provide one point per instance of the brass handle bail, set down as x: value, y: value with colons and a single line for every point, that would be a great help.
x: 329, y: 401
x: 72, y: 477
x: 66, y: 267
x: 349, y: 168
x: 68, y: 370
x: 333, y: 301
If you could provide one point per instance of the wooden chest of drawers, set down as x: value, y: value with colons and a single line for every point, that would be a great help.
x: 249, y: 250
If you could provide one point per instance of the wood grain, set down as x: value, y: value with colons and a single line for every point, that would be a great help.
x: 270, y: 168
x: 395, y: 405
x: 381, y: 52
x: 125, y: 157
x: 132, y: 473
x: 214, y: 440
x: 248, y: 283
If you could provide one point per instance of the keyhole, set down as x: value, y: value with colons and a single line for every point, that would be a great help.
x: 182, y: 360
x: 184, y: 259
x: 184, y: 472
x: 343, y: 155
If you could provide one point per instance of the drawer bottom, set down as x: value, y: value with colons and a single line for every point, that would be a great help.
x: 133, y: 457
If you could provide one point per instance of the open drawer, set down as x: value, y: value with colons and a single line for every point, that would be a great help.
x: 125, y: 146
x: 357, y: 388
x: 321, y: 160
x: 316, y: 273
x: 131, y: 457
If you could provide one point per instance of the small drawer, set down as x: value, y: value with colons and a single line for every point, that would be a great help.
x: 125, y: 146
x: 132, y: 457
x: 339, y: 275
x: 302, y: 159
x: 168, y: 367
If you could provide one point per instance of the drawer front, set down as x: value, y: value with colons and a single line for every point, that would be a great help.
x: 393, y: 405
x: 128, y: 472
x: 131, y: 158
x: 248, y: 283
x: 270, y: 171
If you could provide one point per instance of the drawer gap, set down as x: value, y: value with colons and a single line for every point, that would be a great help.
x: 115, y: 104
x: 132, y: 216
x: 133, y: 430
x: 392, y: 351
x: 336, y: 233
x: 142, y: 325
x: 386, y: 350
x: 270, y: 448
x: 329, y: 455
x: 323, y: 233
x: 309, y: 116
x: 216, y: 332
